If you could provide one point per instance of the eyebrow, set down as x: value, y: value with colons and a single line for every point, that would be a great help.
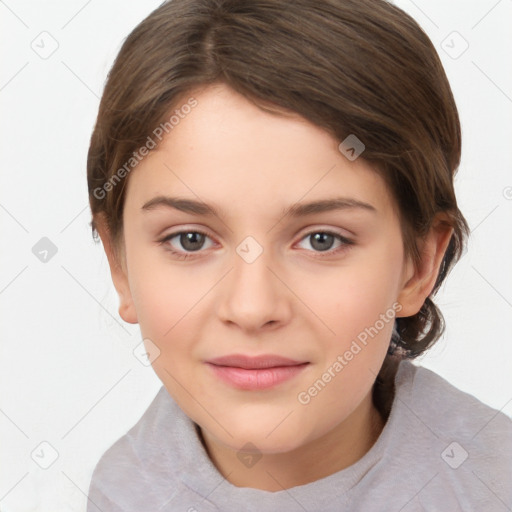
x: 297, y: 210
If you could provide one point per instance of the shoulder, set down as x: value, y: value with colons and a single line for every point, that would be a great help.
x: 462, y: 440
x: 450, y: 410
x: 131, y: 463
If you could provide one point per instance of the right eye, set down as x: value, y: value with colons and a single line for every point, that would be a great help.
x: 190, y: 240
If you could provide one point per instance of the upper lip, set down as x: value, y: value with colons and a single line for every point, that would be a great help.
x: 254, y: 362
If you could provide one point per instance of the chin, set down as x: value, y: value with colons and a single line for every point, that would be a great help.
x: 267, y: 439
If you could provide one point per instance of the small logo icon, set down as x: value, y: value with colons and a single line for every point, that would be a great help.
x: 44, y: 455
x: 454, y: 45
x: 351, y: 147
x: 44, y: 250
x: 146, y: 352
x: 249, y: 455
x: 249, y: 249
x: 45, y: 45
x: 454, y: 455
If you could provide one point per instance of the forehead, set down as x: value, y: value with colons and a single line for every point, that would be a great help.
x: 231, y: 154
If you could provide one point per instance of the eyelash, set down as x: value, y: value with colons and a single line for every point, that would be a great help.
x: 184, y: 255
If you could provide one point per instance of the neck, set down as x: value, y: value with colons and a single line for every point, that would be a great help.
x: 339, y: 448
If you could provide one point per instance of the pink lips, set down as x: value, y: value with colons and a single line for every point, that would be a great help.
x: 255, y: 373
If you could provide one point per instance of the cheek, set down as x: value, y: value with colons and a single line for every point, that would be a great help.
x: 361, y: 312
x: 165, y: 310
x: 361, y: 292
x: 161, y: 293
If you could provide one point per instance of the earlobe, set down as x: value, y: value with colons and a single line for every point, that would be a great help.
x: 127, y: 310
x: 420, y: 284
x: 118, y: 273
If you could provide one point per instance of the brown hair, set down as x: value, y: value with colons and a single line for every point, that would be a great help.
x: 360, y: 67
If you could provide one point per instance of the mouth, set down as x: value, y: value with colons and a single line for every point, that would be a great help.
x: 255, y: 373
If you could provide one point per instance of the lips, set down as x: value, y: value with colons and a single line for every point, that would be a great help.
x: 255, y: 372
x: 254, y: 362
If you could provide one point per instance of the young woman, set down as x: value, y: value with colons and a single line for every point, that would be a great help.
x: 272, y: 182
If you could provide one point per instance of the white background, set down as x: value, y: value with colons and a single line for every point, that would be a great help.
x: 68, y: 374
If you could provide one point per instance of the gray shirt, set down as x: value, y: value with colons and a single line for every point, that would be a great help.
x: 440, y: 450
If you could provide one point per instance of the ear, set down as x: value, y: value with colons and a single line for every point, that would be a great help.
x: 419, y: 282
x: 118, y: 271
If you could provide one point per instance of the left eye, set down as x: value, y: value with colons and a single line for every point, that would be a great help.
x: 323, y: 241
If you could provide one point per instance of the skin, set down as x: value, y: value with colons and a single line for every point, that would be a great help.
x: 294, y: 300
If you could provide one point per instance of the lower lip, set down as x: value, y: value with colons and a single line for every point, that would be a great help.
x: 262, y: 378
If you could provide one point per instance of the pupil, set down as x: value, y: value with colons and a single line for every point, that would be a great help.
x: 319, y: 238
x: 188, y: 240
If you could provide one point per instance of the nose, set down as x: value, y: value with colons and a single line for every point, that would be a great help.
x: 253, y: 296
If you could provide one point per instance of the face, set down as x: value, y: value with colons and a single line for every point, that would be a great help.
x: 223, y: 294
